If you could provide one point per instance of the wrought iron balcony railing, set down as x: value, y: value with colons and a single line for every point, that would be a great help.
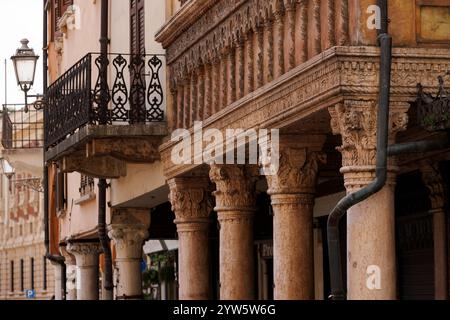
x: 131, y: 89
x: 20, y: 129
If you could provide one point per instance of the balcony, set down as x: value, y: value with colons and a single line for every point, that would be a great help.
x: 103, y: 113
x: 20, y: 129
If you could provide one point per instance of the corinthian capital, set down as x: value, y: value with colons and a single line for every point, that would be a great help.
x: 299, y: 161
x: 190, y: 198
x: 432, y: 178
x: 356, y: 122
x: 86, y: 254
x: 235, y: 186
x: 128, y: 230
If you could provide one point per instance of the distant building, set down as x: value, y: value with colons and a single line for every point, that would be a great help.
x: 23, y: 266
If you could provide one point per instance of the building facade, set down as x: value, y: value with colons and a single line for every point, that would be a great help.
x: 25, y: 273
x: 123, y: 118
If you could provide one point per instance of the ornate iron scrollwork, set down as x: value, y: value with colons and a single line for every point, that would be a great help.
x: 75, y: 100
x: 137, y: 90
x: 433, y: 113
x: 101, y: 91
x: 119, y: 91
x: 155, y: 95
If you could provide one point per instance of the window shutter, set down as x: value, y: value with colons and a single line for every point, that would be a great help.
x: 58, y: 7
x: 137, y: 27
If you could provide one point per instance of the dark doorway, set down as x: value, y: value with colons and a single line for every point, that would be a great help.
x: 414, y: 239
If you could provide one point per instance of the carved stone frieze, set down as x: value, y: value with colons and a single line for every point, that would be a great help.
x: 131, y: 150
x: 205, y: 36
x: 343, y: 73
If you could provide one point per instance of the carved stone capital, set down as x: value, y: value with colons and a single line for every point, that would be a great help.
x: 356, y: 122
x: 299, y: 161
x: 432, y: 178
x: 69, y: 257
x: 235, y: 187
x: 191, y: 199
x: 86, y: 254
x: 129, y: 229
x: 128, y: 240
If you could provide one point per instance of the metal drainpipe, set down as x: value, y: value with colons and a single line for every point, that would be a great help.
x: 419, y: 146
x: 334, y: 248
x: 102, y: 185
x: 53, y: 258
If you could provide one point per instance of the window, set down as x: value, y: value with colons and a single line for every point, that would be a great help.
x: 11, y: 276
x: 58, y: 7
x: 32, y: 273
x: 137, y: 27
x: 87, y: 185
x: 22, y: 285
x: 44, y: 274
x: 60, y: 191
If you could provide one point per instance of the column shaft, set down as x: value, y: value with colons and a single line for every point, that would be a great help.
x: 235, y: 207
x: 191, y: 202
x: 86, y: 256
x: 129, y: 229
x: 293, y: 247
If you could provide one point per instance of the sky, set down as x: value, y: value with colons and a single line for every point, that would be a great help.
x: 19, y: 19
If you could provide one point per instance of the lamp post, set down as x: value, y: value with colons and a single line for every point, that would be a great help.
x: 6, y: 168
x: 24, y: 62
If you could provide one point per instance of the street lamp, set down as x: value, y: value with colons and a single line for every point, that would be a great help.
x: 6, y: 168
x: 24, y: 62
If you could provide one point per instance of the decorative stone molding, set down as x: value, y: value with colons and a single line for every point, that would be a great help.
x: 338, y: 74
x: 127, y: 149
x: 86, y: 254
x: 69, y: 257
x: 128, y: 239
x: 356, y: 122
x: 432, y: 178
x: 191, y: 199
x: 235, y: 187
x: 105, y: 167
x: 129, y: 229
x: 300, y: 157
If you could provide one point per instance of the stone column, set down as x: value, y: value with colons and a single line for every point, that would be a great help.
x: 57, y: 281
x: 86, y: 256
x: 433, y: 180
x: 71, y: 274
x: 235, y: 205
x: 292, y: 193
x: 128, y: 230
x: 371, y: 264
x: 192, y: 204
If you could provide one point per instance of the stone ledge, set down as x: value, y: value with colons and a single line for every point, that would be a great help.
x: 90, y: 132
x: 85, y: 198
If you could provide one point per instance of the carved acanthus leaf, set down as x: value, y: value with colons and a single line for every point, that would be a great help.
x: 190, y: 198
x: 356, y: 122
x: 434, y: 182
x: 235, y: 185
x: 297, y: 172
